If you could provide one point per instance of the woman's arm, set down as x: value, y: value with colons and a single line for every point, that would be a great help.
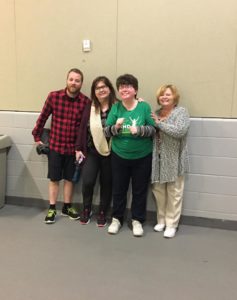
x: 82, y: 131
x: 176, y: 127
x: 113, y: 123
x: 145, y: 131
x: 113, y: 130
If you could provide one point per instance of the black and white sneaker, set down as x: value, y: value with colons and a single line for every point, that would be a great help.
x: 70, y: 212
x: 50, y: 217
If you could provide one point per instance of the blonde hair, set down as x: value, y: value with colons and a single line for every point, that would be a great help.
x: 173, y: 89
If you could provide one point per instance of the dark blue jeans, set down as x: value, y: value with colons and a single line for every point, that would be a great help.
x: 138, y: 171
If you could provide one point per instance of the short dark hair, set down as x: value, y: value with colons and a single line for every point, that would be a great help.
x: 107, y: 82
x: 127, y: 79
x: 75, y: 70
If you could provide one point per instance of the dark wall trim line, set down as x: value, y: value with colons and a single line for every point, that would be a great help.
x: 151, y: 215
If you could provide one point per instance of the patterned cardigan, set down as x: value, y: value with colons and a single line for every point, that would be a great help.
x: 170, y: 153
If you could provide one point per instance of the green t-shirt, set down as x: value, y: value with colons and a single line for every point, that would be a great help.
x: 125, y: 144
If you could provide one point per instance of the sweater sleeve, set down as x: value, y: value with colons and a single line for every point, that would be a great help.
x: 148, y: 129
x: 110, y: 129
x: 81, y: 140
x: 177, y: 126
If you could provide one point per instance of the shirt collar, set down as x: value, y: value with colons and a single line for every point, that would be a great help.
x: 65, y: 95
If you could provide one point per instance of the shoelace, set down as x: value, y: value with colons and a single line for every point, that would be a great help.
x: 72, y: 210
x: 51, y: 212
x: 137, y: 226
x: 115, y: 223
x: 101, y: 216
x: 86, y: 213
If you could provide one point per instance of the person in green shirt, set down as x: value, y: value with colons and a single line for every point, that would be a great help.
x: 131, y: 127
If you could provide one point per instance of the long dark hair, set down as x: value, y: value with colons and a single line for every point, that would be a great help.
x: 112, y: 95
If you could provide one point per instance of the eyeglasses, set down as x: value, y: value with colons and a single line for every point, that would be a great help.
x: 125, y: 87
x: 102, y: 87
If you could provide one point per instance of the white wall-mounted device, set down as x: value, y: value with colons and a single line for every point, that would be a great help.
x: 86, y: 45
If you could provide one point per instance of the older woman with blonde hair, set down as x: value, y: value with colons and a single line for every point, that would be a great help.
x: 170, y: 159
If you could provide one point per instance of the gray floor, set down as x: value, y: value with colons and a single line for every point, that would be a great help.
x: 69, y: 261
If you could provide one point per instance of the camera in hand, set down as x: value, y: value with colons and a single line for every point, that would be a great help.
x: 44, y: 148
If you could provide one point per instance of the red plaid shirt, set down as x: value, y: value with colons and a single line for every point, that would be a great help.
x: 66, y: 118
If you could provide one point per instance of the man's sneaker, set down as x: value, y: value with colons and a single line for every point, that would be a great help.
x: 70, y: 212
x: 170, y: 232
x: 50, y: 218
x: 101, y: 220
x: 85, y: 216
x: 114, y: 226
x: 137, y: 228
x: 159, y: 227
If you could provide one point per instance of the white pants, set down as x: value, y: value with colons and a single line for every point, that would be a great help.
x: 169, y: 198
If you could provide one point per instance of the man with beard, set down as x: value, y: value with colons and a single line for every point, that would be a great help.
x: 66, y: 107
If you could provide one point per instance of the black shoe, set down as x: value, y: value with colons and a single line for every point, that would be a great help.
x: 70, y: 212
x: 101, y: 219
x: 50, y: 218
x: 85, y: 216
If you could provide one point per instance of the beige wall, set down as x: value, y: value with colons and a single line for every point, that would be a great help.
x: 190, y: 43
